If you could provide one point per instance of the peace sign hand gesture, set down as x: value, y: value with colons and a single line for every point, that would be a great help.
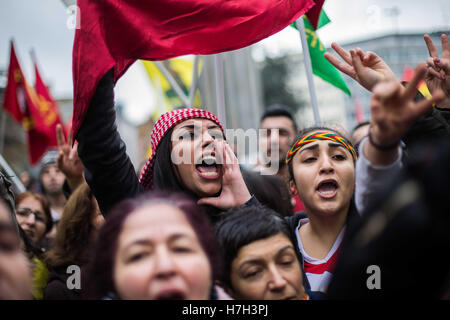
x: 393, y: 110
x: 68, y: 161
x: 438, y: 69
x: 365, y: 67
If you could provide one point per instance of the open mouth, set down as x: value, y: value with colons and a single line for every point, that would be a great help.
x: 327, y: 188
x: 208, y: 168
x: 171, y: 295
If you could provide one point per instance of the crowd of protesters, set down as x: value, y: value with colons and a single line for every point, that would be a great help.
x: 205, y: 228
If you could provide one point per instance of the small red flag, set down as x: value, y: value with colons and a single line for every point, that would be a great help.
x: 48, y: 106
x: 14, y: 97
x: 22, y: 102
x: 114, y: 33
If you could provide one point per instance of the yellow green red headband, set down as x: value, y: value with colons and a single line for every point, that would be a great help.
x: 324, y: 135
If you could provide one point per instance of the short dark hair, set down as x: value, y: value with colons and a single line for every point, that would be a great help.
x: 242, y: 226
x: 270, y: 190
x: 359, y: 125
x: 99, y: 281
x: 279, y: 110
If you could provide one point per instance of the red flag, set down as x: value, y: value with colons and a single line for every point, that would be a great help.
x: 314, y: 13
x: 114, y: 33
x: 48, y: 106
x: 22, y: 102
x: 14, y: 98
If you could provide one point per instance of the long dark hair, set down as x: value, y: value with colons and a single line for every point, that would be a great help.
x: 164, y: 177
x: 75, y: 230
x: 270, y: 190
x: 99, y: 280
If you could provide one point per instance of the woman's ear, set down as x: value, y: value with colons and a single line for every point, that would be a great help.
x: 293, y: 188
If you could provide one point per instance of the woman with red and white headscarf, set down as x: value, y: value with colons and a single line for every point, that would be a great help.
x: 189, y: 154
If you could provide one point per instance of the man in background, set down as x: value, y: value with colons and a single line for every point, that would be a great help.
x: 51, y: 181
x: 281, y: 129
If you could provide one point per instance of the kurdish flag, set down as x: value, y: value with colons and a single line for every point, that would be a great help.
x: 320, y: 66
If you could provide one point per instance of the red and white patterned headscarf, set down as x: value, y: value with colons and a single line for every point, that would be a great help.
x: 165, y: 122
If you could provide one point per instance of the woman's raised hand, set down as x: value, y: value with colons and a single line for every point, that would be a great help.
x: 365, y: 67
x: 438, y: 69
x: 68, y: 161
x: 234, y: 190
x: 393, y: 110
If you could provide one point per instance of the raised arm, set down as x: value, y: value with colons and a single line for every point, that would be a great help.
x: 393, y: 111
x: 438, y: 69
x: 68, y: 160
x: 108, y: 169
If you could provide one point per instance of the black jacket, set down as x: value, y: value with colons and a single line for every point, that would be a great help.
x: 57, y: 288
x: 433, y: 127
x: 108, y: 170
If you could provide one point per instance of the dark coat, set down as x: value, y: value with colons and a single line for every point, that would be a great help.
x: 108, y: 170
x: 57, y: 288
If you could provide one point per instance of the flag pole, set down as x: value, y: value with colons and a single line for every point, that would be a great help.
x: 220, y: 94
x: 193, y: 82
x: 173, y: 83
x: 308, y: 68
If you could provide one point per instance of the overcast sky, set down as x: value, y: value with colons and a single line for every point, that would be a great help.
x: 42, y: 25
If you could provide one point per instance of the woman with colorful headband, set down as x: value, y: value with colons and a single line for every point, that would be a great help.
x: 321, y: 164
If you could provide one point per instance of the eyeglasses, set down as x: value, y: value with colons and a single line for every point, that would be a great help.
x: 25, y: 212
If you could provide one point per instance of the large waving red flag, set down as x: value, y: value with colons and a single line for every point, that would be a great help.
x: 22, y: 102
x: 114, y: 33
